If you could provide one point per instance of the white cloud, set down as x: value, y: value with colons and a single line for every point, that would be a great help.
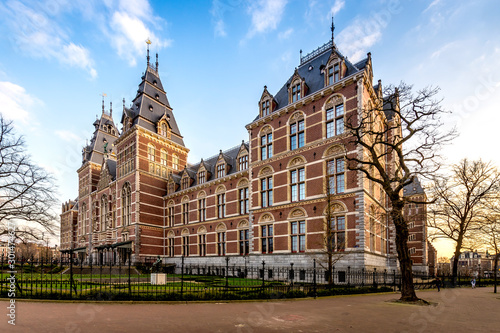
x: 266, y: 15
x: 357, y: 38
x: 39, y: 36
x: 69, y: 136
x: 16, y: 103
x: 444, y: 48
x: 285, y: 34
x: 337, y: 6
x: 220, y: 28
x: 129, y: 30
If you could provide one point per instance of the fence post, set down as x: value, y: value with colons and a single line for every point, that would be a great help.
x: 314, y: 277
x: 263, y: 274
x: 182, y: 275
x: 362, y: 277
x: 292, y: 275
x: 129, y: 286
x: 385, y: 277
x: 374, y: 278
x: 348, y: 276
x: 333, y: 275
x: 227, y: 272
x: 394, y: 279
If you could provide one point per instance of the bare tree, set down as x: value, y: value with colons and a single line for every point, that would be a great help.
x: 26, y: 190
x: 461, y: 204
x: 333, y: 245
x: 399, y: 137
x: 490, y: 235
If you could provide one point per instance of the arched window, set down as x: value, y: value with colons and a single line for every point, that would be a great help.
x: 104, y: 213
x: 163, y: 157
x: 266, y: 143
x: 151, y: 152
x: 297, y: 135
x: 175, y: 162
x: 126, y: 204
x: 163, y: 129
x: 82, y: 230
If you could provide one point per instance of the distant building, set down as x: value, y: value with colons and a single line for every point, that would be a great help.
x: 474, y: 263
x: 262, y: 200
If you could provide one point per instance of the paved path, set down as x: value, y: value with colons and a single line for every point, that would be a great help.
x: 456, y: 310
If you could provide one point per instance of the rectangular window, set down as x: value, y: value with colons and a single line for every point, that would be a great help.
x: 296, y: 93
x: 267, y: 239
x: 151, y: 153
x: 337, y: 225
x: 336, y: 176
x: 202, y: 245
x: 297, y: 135
x: 202, y: 210
x: 221, y: 205
x: 185, y: 183
x: 265, y: 108
x: 297, y: 184
x: 335, y: 121
x: 221, y: 243
x: 185, y: 246
x: 221, y: 170
x: 243, y: 163
x: 298, y: 236
x: 163, y: 157
x: 171, y: 217
x: 170, y: 246
x: 185, y: 213
x: 244, y: 242
x: 266, y: 146
x: 330, y: 76
x: 201, y: 177
x: 266, y: 194
x: 336, y: 71
x: 243, y: 200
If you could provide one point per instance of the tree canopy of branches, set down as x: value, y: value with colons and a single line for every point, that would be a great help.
x: 490, y: 235
x: 461, y: 203
x: 26, y: 190
x: 399, y: 136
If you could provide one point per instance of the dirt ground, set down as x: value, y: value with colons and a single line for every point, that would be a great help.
x: 453, y: 310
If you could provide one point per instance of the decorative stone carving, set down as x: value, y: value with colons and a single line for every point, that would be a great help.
x: 267, y: 217
x: 297, y: 213
x: 221, y: 227
x: 202, y: 230
x: 335, y: 150
x: 243, y: 224
x: 185, y: 232
x: 296, y: 161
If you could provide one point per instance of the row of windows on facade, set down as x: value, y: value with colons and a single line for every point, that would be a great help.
x: 334, y: 126
x: 336, y: 185
x: 100, y: 213
x: 333, y: 75
x: 297, y: 234
x: 203, y: 174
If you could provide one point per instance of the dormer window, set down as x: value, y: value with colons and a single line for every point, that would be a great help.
x: 150, y: 108
x: 157, y: 97
x: 163, y: 129
x: 202, y: 177
x: 185, y: 182
x: 333, y: 74
x: 243, y: 162
x: 296, y: 92
x: 265, y: 108
x: 171, y: 187
x: 155, y: 83
x: 221, y: 170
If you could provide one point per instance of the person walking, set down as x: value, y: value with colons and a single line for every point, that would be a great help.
x: 473, y: 282
x: 437, y: 282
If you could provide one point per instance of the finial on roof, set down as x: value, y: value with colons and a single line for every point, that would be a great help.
x: 300, y: 55
x: 148, y: 41
x: 124, y: 102
x: 103, y: 95
x: 333, y: 29
x: 157, y: 61
x: 111, y: 109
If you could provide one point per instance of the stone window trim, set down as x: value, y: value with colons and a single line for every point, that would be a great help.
x: 266, y: 143
x: 296, y: 131
x: 334, y: 116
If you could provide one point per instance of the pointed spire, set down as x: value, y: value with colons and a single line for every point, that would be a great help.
x: 333, y: 29
x: 111, y: 109
x: 123, y: 103
x: 148, y: 41
x: 156, y: 61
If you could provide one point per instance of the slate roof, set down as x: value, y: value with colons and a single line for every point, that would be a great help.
x: 230, y: 156
x: 414, y: 188
x: 104, y: 127
x: 151, y: 104
x: 311, y: 72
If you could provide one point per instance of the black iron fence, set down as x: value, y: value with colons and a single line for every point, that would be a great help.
x: 147, y: 281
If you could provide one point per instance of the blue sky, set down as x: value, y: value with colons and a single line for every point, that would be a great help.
x: 58, y: 56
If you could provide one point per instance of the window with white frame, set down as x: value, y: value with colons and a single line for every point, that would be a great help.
x: 266, y: 191
x: 266, y: 146
x: 335, y: 121
x: 267, y: 233
x: 297, y: 136
x: 298, y: 236
x: 297, y: 184
x: 336, y: 176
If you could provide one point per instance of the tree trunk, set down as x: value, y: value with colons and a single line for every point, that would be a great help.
x: 407, y: 288
x: 495, y: 272
x: 455, y: 259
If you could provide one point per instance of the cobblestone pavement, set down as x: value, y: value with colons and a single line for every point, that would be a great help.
x: 453, y: 310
